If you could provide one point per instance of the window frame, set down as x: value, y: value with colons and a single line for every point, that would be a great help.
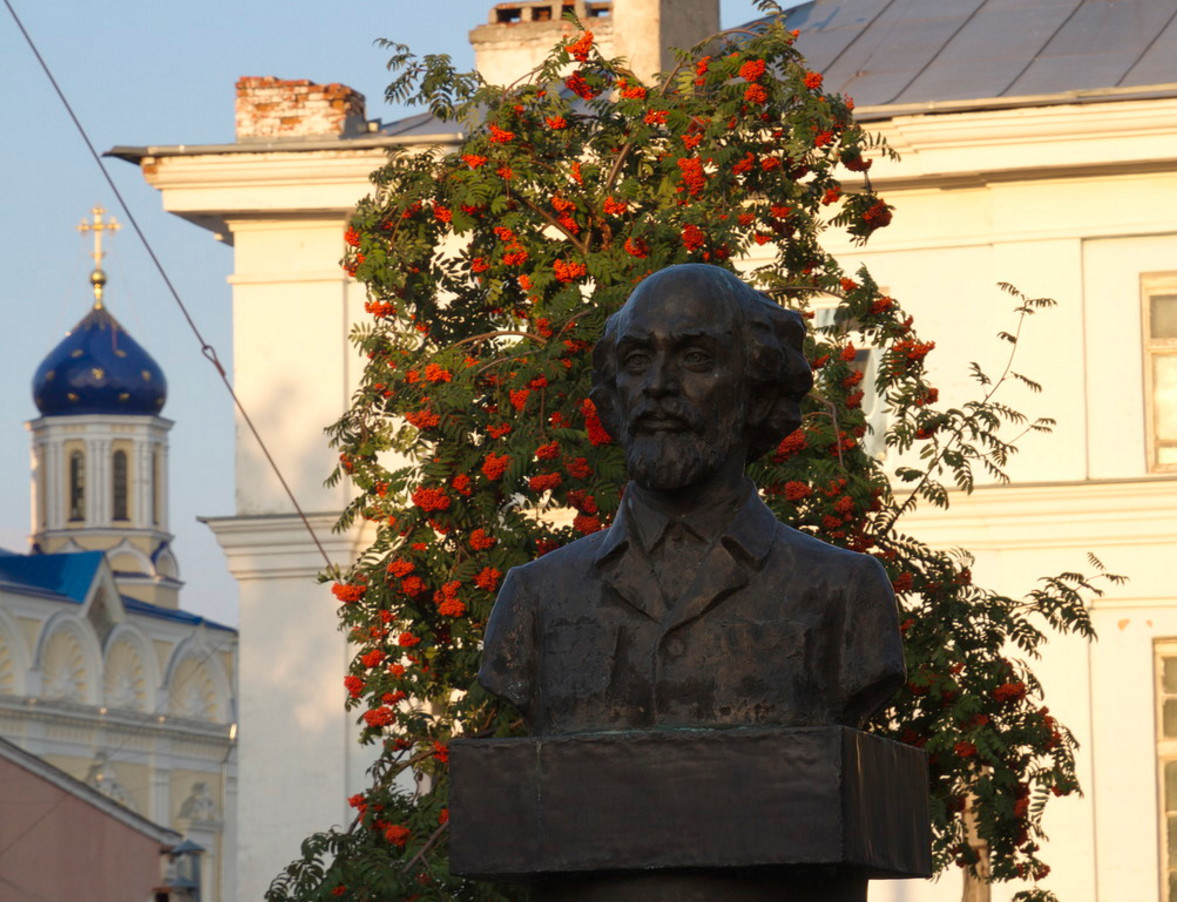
x: 866, y: 358
x: 1152, y: 285
x: 119, y: 486
x: 77, y: 486
x: 1166, y: 752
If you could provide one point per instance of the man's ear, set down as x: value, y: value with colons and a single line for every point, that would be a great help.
x: 760, y: 407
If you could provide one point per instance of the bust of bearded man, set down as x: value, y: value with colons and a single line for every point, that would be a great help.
x: 697, y: 607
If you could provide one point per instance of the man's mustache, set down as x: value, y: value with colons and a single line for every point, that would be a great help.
x: 667, y: 415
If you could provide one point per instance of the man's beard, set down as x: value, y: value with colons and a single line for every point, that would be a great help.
x: 665, y: 460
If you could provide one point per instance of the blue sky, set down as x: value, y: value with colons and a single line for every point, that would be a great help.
x: 140, y: 73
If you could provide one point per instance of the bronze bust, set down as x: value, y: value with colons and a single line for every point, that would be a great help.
x: 696, y: 608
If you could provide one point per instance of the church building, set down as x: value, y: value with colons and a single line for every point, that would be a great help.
x: 102, y: 675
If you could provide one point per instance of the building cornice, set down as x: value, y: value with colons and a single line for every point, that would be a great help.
x: 137, y: 155
x: 58, y: 711
x: 1067, y: 140
x: 1065, y: 515
x: 213, y: 185
x: 874, y: 113
x: 278, y: 546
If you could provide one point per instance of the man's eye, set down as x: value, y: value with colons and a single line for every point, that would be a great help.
x: 638, y: 360
x: 697, y: 359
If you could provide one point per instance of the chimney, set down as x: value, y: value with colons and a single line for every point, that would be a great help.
x: 270, y: 109
x: 518, y: 35
x: 645, y: 31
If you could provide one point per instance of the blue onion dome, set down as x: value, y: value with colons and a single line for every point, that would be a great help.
x: 99, y: 368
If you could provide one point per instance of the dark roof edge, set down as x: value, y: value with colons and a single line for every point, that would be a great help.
x: 41, y: 768
x: 136, y: 154
x: 981, y: 104
x: 176, y: 615
x: 34, y: 591
x: 231, y: 518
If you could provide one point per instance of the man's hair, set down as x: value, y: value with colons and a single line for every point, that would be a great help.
x: 775, y: 367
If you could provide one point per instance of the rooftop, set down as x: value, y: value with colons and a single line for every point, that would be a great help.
x: 899, y: 52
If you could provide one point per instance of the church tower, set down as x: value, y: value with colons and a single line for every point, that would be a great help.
x: 100, y: 448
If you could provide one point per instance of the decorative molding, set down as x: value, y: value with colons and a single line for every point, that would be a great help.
x: 68, y: 660
x: 62, y: 720
x: 200, y: 809
x: 196, y: 684
x: 14, y: 659
x: 278, y: 547
x: 103, y: 777
x: 1036, y: 142
x: 125, y: 683
x: 1107, y: 513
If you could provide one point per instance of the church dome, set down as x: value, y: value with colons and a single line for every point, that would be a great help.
x: 99, y: 368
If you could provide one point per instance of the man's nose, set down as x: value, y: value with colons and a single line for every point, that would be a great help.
x: 661, y: 379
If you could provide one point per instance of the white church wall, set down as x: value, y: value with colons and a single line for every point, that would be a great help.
x: 299, y: 759
x: 291, y: 316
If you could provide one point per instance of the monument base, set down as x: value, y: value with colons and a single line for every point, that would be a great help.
x: 746, y: 815
x: 703, y: 886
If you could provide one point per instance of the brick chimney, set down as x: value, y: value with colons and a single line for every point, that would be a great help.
x: 270, y: 109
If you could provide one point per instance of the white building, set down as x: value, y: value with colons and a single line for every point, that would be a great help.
x: 1039, y: 147
x: 102, y: 675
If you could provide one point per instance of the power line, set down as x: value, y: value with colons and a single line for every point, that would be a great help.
x: 209, y: 352
x: 164, y: 700
x: 206, y: 349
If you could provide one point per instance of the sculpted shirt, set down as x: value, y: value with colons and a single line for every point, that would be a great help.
x: 772, y: 627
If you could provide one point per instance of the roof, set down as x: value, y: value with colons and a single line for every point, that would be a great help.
x: 62, y: 576
x: 420, y: 128
x: 889, y: 54
x: 99, y: 368
x: 420, y: 125
x: 135, y: 606
x: 895, y: 52
x: 59, y: 778
x: 68, y: 576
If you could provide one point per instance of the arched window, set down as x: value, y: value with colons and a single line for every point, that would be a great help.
x: 42, y: 478
x: 156, y: 463
x: 77, y: 486
x: 119, y: 484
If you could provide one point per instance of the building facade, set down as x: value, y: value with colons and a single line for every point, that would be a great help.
x: 102, y: 675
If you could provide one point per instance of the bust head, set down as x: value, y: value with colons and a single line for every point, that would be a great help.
x: 698, y: 373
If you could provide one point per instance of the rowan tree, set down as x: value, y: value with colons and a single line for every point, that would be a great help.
x: 472, y: 446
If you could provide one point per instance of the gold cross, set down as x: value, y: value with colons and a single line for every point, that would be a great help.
x: 98, y: 227
x: 98, y: 277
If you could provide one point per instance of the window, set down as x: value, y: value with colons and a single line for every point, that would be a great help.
x: 77, y: 486
x: 42, y: 479
x: 119, y: 485
x: 1160, y: 369
x: 866, y: 361
x: 1166, y: 666
x: 156, y: 465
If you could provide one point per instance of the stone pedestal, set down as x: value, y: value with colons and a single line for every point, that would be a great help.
x: 791, y: 814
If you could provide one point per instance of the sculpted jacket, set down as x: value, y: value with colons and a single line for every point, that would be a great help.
x: 777, y: 628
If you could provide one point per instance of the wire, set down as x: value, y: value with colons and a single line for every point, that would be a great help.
x: 26, y: 894
x: 164, y: 701
x: 209, y: 352
x: 206, y: 349
x: 1156, y: 37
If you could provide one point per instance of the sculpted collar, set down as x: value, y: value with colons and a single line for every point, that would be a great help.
x: 745, y: 528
